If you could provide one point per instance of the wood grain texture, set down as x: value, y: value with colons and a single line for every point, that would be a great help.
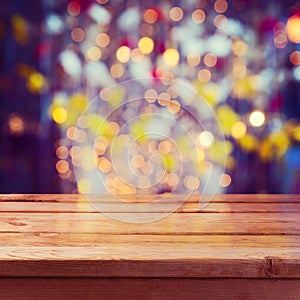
x: 174, y: 224
x: 148, y: 289
x: 234, y: 198
x: 189, y: 206
x: 234, y: 236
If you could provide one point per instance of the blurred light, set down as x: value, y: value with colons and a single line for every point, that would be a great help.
x: 75, y: 153
x: 99, y: 14
x: 233, y: 28
x: 136, y: 55
x: 62, y: 152
x: 59, y: 114
x: 172, y: 179
x: 81, y: 137
x: 239, y: 68
x: 104, y: 165
x: 164, y: 99
x: 146, y: 45
x: 84, y: 186
x: 36, y: 82
x: 173, y: 91
x: 205, y: 166
x: 293, y: 29
x: 296, y: 73
x: 62, y: 166
x: 280, y: 40
x: 152, y: 146
x: 159, y: 70
x: 166, y: 77
x: 129, y: 19
x: 220, y: 21
x: 151, y: 95
x: 238, y: 129
x: 176, y: 14
x: 92, y: 71
x: 295, y: 58
x: 106, y: 93
x: 164, y: 147
x: 174, y: 106
x: 78, y: 101
x: 296, y: 133
x: 116, y: 70
x: 94, y: 53
x: 150, y: 16
x: 224, y: 180
x: 257, y: 118
x: 193, y: 59
x: 72, y: 133
x: 65, y: 175
x: 171, y: 57
x: 198, y: 16
x: 219, y: 44
x: 191, y: 182
x: 220, y: 6
x: 54, y: 23
x: 146, y: 29
x: 71, y: 63
x: 102, y: 39
x: 113, y: 128
x: 88, y: 159
x: 20, y: 29
x: 239, y: 48
x: 210, y: 60
x: 137, y: 161
x: 147, y: 168
x: 206, y: 138
x: 101, y: 145
x: 78, y: 34
x: 73, y: 9
x: 71, y: 22
x: 102, y: 1
x: 16, y: 124
x: 24, y: 70
x: 123, y: 54
x: 248, y: 142
x: 204, y: 75
x: 124, y: 140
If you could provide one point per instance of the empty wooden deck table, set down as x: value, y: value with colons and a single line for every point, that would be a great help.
x: 237, y: 247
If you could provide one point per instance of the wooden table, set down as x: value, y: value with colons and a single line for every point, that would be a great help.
x: 237, y: 247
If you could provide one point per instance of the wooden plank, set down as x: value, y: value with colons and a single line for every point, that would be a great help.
x: 176, y: 224
x: 228, y: 198
x: 173, y: 241
x: 148, y: 289
x: 229, y: 238
x: 110, y: 262
x: 192, y: 207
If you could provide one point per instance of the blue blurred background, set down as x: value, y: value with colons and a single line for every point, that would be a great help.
x: 242, y: 56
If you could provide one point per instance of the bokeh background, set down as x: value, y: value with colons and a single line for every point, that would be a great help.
x: 242, y: 57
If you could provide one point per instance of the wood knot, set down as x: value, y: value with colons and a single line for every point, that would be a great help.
x: 16, y: 223
x: 269, y: 267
